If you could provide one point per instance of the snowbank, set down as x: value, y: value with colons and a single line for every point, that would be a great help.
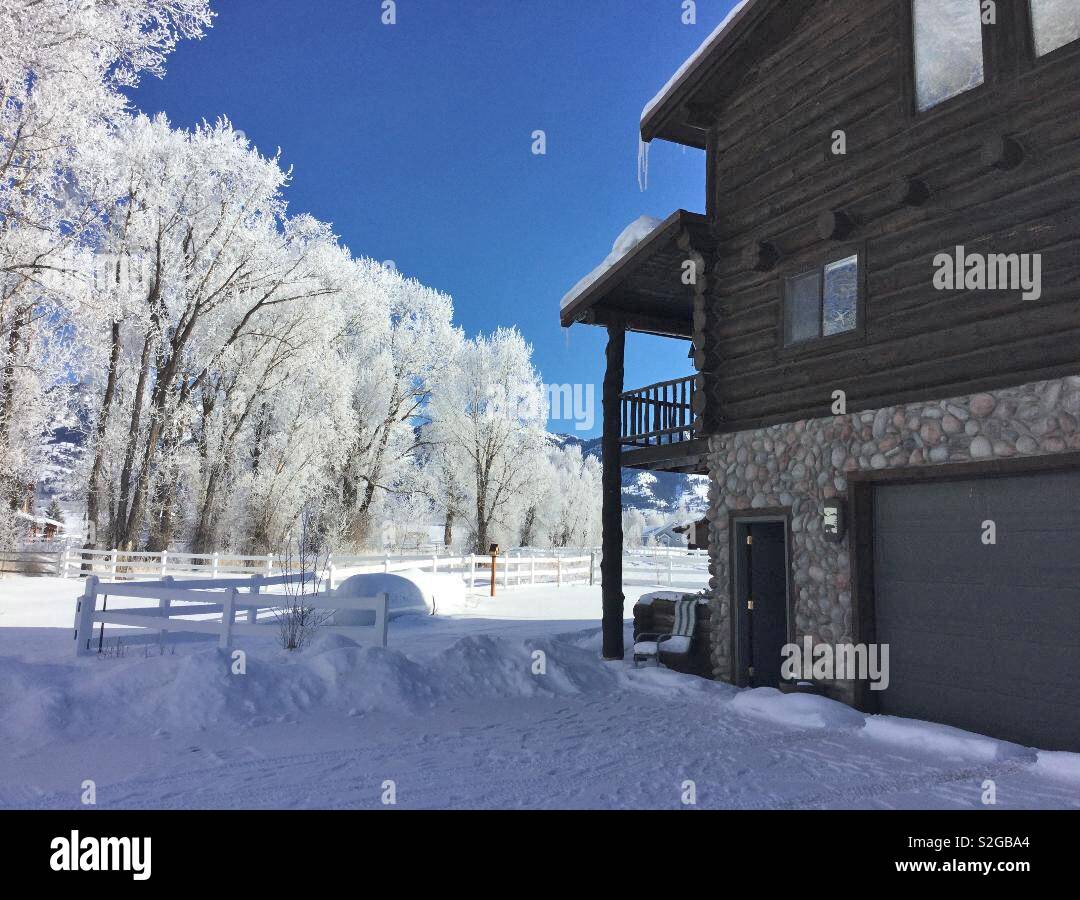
x: 796, y: 710
x: 1059, y: 764
x: 634, y: 233
x: 410, y: 593
x: 197, y: 689
x: 943, y: 740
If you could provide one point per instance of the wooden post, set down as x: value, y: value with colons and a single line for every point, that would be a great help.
x: 164, y: 607
x: 113, y: 564
x: 494, y: 556
x: 269, y: 564
x: 63, y: 562
x: 256, y: 588
x: 330, y: 570
x: 164, y: 562
x: 558, y: 571
x: 611, y: 562
x: 381, y: 618
x: 592, y: 569
x: 214, y: 565
x: 386, y: 563
x: 472, y: 573
x: 84, y: 616
x: 227, y: 616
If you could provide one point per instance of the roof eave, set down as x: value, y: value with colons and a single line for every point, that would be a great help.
x: 669, y: 119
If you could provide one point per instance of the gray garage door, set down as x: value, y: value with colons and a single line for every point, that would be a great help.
x: 986, y: 638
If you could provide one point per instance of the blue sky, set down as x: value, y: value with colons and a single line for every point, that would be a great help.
x: 415, y: 141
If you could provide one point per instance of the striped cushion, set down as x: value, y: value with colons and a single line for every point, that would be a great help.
x: 685, y: 617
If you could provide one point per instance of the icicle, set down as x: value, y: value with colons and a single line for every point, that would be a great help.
x: 642, y: 166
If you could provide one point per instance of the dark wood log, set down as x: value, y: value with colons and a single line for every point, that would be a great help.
x: 834, y: 225
x: 1002, y: 152
x: 907, y: 191
x: 761, y: 256
x: 611, y: 563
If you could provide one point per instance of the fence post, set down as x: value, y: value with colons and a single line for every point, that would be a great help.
x: 269, y: 564
x: 558, y: 571
x: 164, y: 563
x: 472, y: 572
x: 84, y: 616
x: 214, y: 565
x: 62, y: 565
x: 256, y: 589
x: 228, y: 613
x: 381, y: 616
x: 592, y: 568
x: 386, y: 563
x: 165, y: 606
x: 435, y: 564
x: 330, y: 569
x: 113, y: 564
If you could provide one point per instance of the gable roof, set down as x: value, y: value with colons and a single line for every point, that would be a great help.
x: 750, y: 29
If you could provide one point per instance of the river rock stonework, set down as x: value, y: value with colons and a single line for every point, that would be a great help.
x: 798, y: 465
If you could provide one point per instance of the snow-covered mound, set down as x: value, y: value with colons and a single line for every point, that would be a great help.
x: 196, y: 690
x: 410, y: 593
x: 797, y: 710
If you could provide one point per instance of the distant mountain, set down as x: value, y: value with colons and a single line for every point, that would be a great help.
x: 663, y: 492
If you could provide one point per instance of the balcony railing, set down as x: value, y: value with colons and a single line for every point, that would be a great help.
x: 660, y: 414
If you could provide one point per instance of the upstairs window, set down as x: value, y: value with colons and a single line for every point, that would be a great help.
x: 949, y: 48
x: 1054, y: 23
x: 823, y: 302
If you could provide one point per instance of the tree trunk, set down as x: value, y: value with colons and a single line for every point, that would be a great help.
x: 93, y: 496
x: 120, y: 520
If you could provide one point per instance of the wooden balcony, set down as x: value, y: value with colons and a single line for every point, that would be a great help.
x: 658, y: 428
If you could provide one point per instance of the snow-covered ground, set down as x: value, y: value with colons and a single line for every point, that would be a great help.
x: 454, y: 715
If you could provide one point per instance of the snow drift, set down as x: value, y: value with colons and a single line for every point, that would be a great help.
x: 410, y: 593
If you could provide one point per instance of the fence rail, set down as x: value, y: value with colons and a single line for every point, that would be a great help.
x: 226, y: 598
x: 474, y: 570
x: 517, y: 567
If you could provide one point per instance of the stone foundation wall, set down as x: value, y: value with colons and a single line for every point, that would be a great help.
x: 797, y: 465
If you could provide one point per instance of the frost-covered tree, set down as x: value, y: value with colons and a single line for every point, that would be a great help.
x: 62, y: 65
x: 397, y: 350
x: 488, y: 413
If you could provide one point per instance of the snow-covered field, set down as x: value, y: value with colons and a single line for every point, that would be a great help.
x: 454, y: 715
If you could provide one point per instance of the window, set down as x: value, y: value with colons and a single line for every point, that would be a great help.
x: 948, y: 49
x: 822, y: 303
x: 1054, y: 23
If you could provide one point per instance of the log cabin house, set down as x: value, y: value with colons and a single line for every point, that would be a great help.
x: 891, y: 462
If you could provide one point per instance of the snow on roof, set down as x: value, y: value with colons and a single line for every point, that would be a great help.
x: 38, y: 520
x: 711, y: 41
x: 632, y: 235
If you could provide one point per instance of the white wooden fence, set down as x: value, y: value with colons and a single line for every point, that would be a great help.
x: 222, y: 600
x: 517, y: 567
x: 511, y: 570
